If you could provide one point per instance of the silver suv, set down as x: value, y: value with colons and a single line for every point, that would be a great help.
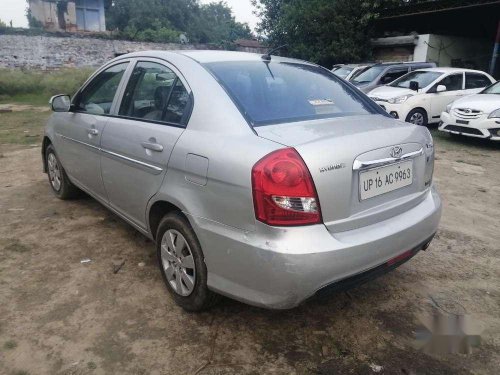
x: 265, y: 179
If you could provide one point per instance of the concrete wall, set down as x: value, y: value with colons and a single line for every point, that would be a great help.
x: 458, y: 51
x: 421, y: 48
x: 48, y: 52
x: 65, y: 18
x: 46, y: 12
x: 441, y: 49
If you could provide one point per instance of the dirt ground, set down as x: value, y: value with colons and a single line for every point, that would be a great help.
x: 61, y: 316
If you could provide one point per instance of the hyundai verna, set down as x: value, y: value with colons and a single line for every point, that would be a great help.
x: 474, y: 115
x: 265, y: 179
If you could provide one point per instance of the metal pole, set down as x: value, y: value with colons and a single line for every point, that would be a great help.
x: 496, y: 50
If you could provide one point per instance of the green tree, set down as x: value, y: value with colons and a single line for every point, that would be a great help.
x: 157, y: 20
x: 215, y: 23
x: 323, y: 31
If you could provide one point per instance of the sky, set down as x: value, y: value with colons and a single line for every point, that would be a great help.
x: 242, y: 10
x: 15, y: 10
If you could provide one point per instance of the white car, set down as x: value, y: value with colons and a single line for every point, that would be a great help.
x: 475, y: 115
x: 349, y: 71
x: 420, y: 96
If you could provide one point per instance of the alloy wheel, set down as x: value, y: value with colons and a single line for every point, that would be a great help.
x: 54, y: 172
x: 417, y: 118
x: 178, y: 262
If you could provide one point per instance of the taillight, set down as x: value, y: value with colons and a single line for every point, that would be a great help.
x: 283, y: 190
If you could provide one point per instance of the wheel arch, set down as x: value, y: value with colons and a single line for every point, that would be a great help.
x: 420, y: 108
x: 157, y: 211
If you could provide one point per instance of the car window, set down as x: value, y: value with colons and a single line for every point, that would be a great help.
x: 493, y: 89
x: 179, y: 100
x: 97, y: 97
x: 453, y: 82
x: 368, y: 75
x: 476, y: 81
x: 423, y: 78
x: 278, y: 92
x: 343, y: 72
x: 155, y: 93
x: 393, y: 74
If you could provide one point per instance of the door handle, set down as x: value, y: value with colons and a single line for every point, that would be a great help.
x: 93, y: 131
x: 152, y: 146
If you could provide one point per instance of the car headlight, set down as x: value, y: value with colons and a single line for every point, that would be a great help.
x: 399, y: 99
x: 495, y: 114
x: 448, y: 108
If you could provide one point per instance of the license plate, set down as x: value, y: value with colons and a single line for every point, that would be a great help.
x: 382, y: 180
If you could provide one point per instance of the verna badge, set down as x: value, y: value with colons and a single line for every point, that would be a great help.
x: 333, y: 167
x: 396, y: 152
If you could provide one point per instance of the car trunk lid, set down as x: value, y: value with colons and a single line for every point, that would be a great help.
x: 338, y: 150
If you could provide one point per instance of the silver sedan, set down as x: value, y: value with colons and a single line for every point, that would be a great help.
x: 265, y: 179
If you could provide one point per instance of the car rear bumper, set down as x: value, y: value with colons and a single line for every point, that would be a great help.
x: 279, y: 268
x: 478, y: 128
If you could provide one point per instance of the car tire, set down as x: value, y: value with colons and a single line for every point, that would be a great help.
x: 417, y: 116
x: 182, y: 264
x: 58, y: 179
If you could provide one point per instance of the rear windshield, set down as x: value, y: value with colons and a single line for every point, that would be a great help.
x: 278, y: 92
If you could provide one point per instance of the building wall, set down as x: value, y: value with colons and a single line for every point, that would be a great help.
x: 49, y: 52
x: 46, y: 13
x: 421, y: 48
x: 53, y: 20
x: 460, y: 52
x: 441, y: 49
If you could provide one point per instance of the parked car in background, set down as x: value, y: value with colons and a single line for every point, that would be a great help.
x: 419, y: 97
x: 265, y: 179
x: 475, y: 115
x: 336, y: 66
x: 383, y: 74
x: 348, y: 71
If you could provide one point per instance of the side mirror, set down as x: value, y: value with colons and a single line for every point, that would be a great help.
x: 60, y: 103
x: 414, y: 85
x: 441, y: 88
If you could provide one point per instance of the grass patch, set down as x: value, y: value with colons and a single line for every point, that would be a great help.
x: 9, y: 345
x: 23, y: 127
x: 36, y: 87
x: 17, y: 247
x: 91, y: 365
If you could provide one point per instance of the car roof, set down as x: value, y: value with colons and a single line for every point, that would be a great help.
x: 451, y: 70
x: 209, y: 56
x: 404, y: 63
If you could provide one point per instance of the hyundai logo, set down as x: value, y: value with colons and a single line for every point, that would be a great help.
x: 396, y: 152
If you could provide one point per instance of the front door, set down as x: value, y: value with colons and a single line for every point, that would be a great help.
x: 80, y: 131
x: 439, y: 100
x: 138, y: 141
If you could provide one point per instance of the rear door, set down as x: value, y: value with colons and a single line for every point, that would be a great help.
x: 138, y: 140
x: 454, y: 84
x: 475, y: 82
x: 80, y: 131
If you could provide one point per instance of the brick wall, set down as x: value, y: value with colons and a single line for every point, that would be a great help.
x: 51, y: 52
